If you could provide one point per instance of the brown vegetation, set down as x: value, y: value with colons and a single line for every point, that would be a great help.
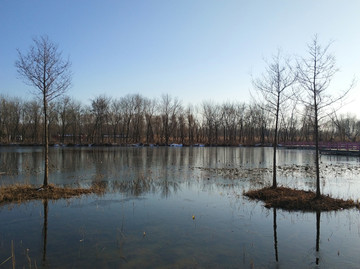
x: 291, y: 199
x: 133, y: 119
x: 23, y: 193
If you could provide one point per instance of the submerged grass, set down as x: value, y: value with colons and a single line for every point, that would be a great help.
x: 299, y: 200
x: 23, y: 193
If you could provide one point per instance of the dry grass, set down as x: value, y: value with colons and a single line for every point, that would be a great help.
x: 23, y: 193
x: 291, y: 199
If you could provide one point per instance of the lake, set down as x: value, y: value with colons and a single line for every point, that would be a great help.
x: 176, y: 208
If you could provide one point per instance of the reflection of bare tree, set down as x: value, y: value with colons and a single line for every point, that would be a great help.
x: 44, y: 231
x: 318, y: 213
x: 136, y: 186
x: 9, y: 163
x: 167, y: 187
x: 142, y: 184
x: 275, y: 235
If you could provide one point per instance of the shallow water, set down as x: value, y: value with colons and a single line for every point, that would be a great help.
x: 145, y: 220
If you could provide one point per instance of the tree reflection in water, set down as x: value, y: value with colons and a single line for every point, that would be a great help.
x: 142, y: 184
x: 317, y: 245
x: 318, y: 213
x: 275, y: 235
x: 168, y: 187
x: 44, y: 230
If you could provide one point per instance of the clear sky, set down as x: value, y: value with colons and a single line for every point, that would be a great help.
x: 197, y: 50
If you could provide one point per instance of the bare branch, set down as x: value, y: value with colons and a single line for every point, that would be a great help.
x: 44, y: 69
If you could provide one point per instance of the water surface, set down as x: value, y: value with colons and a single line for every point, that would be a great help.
x: 145, y: 219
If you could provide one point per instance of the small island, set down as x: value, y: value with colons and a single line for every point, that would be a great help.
x: 293, y: 200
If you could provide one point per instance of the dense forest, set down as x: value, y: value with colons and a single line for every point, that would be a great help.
x: 137, y: 119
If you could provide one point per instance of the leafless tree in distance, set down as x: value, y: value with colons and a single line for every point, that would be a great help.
x: 44, y: 68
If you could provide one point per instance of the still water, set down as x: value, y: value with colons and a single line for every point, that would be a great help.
x: 176, y: 208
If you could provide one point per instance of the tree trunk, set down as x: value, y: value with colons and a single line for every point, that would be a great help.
x: 46, y: 172
x: 316, y: 134
x: 317, y: 165
x: 274, y: 185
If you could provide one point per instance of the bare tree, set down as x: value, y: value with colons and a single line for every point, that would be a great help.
x: 138, y: 122
x: 68, y: 111
x: 53, y: 121
x: 208, y: 119
x: 115, y: 117
x: 10, y: 117
x: 63, y: 110
x: 272, y: 86
x: 212, y: 119
x: 191, y: 122
x: 149, y: 110
x: 315, y: 74
x: 31, y: 121
x: 289, y: 123
x: 240, y: 115
x: 229, y: 118
x: 347, y: 127
x: 44, y: 69
x: 169, y: 108
x: 100, y: 109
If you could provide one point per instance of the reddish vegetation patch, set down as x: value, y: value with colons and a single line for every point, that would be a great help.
x: 22, y: 193
x: 291, y: 199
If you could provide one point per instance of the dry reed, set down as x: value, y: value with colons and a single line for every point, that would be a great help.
x: 23, y: 193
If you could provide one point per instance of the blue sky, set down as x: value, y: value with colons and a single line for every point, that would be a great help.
x: 196, y: 50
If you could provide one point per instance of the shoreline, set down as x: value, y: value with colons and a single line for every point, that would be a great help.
x: 335, y: 152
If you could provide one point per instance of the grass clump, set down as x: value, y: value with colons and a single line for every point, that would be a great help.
x: 22, y: 192
x: 298, y: 200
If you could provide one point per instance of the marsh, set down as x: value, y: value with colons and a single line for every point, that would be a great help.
x: 179, y: 207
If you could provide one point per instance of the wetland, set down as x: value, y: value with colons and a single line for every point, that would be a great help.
x: 175, y: 208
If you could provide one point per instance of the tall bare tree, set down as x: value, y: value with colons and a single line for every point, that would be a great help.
x: 315, y: 74
x: 10, y: 117
x: 169, y: 108
x: 115, y: 118
x: 149, y: 110
x: 240, y: 111
x: 347, y: 127
x: 63, y: 111
x: 272, y: 86
x: 212, y: 119
x: 44, y: 68
x: 31, y: 121
x: 100, y: 108
x: 191, y: 122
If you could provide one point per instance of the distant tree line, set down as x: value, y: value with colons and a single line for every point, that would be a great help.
x: 273, y: 118
x: 137, y: 119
